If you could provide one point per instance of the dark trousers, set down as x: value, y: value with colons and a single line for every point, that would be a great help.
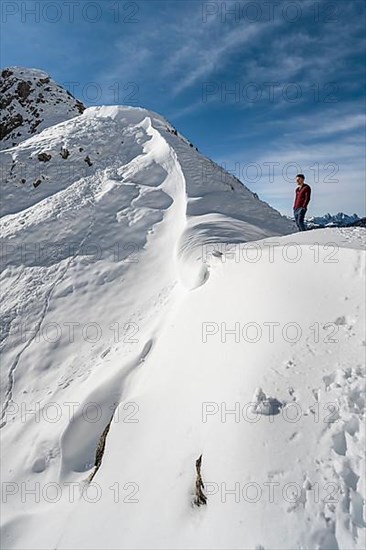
x: 299, y: 214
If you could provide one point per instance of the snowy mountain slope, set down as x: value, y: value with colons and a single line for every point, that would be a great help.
x: 70, y: 225
x: 292, y: 480
x: 123, y: 251
x: 30, y: 102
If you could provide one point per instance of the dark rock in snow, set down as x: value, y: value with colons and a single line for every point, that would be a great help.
x: 22, y: 91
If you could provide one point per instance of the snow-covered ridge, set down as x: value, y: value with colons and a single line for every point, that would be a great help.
x: 132, y: 268
x: 114, y: 146
x: 30, y: 102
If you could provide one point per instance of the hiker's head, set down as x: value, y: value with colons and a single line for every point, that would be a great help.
x: 300, y: 178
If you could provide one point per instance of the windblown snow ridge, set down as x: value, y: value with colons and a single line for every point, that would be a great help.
x: 110, y: 226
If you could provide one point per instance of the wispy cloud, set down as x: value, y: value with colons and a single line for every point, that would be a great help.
x: 204, y: 54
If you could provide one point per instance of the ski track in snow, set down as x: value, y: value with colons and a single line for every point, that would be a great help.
x: 12, y: 369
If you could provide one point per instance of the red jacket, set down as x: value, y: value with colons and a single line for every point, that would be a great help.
x: 302, y: 197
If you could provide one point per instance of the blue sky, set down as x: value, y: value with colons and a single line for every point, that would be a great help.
x: 265, y: 88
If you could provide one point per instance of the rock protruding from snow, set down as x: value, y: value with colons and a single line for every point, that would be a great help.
x: 30, y: 102
x: 264, y: 404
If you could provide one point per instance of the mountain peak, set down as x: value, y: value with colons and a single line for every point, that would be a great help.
x: 32, y: 101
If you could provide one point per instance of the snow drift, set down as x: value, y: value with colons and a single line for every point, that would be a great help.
x: 155, y: 310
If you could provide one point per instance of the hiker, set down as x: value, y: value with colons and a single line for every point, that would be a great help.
x: 302, y: 199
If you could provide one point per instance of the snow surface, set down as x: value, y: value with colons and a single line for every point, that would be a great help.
x: 150, y: 237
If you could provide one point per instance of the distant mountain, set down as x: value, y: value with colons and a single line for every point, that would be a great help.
x: 30, y: 102
x: 337, y: 220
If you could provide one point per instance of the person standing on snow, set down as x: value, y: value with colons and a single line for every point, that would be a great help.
x: 302, y: 199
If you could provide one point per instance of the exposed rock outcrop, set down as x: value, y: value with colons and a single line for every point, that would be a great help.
x: 31, y: 101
